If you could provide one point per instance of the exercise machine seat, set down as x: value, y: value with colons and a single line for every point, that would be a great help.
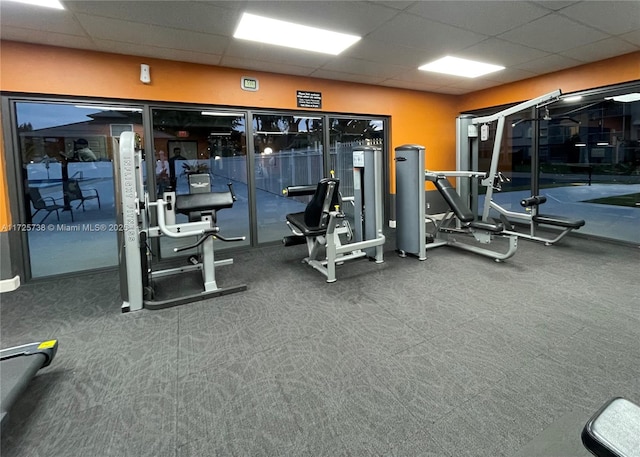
x: 208, y: 201
x: 614, y: 431
x: 488, y: 226
x: 558, y: 221
x: 313, y: 220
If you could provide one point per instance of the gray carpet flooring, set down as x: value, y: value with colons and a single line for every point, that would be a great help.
x: 454, y: 356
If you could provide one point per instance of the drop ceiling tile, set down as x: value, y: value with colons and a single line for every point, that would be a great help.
x: 8, y: 32
x: 555, y: 4
x: 614, y: 17
x: 158, y: 52
x: 485, y: 17
x: 432, y: 38
x: 257, y: 65
x: 500, y: 52
x: 380, y: 51
x: 359, y: 66
x: 410, y: 85
x: 38, y: 18
x: 250, y: 50
x: 427, y: 77
x: 152, y: 35
x: 196, y: 17
x: 600, y: 50
x: 474, y: 84
x: 339, y: 76
x: 632, y: 37
x: 509, y: 75
x: 553, y: 33
x: 548, y: 64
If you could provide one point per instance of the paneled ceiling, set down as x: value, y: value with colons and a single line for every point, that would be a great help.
x: 529, y: 38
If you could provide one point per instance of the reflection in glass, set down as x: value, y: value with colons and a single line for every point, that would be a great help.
x: 288, y: 151
x: 196, y: 150
x: 66, y: 153
x: 587, y: 162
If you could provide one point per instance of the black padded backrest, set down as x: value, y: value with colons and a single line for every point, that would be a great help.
x: 324, y: 199
x: 453, y: 200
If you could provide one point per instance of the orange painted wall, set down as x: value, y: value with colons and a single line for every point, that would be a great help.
x: 417, y: 117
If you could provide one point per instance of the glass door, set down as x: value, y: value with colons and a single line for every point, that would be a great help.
x: 288, y: 151
x: 202, y: 150
x: 66, y: 151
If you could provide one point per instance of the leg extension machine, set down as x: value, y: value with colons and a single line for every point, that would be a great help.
x: 323, y: 222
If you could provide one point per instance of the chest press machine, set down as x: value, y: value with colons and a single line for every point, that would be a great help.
x: 411, y: 218
x: 138, y: 279
x: 467, y: 148
x: 323, y: 222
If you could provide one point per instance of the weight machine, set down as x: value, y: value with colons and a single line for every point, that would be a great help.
x: 467, y: 150
x: 323, y: 222
x: 411, y: 218
x: 138, y: 279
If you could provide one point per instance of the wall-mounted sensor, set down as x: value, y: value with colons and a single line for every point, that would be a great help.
x: 145, y: 73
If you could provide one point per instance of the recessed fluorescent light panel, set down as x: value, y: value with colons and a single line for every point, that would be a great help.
x: 47, y: 3
x: 460, y: 67
x: 626, y: 98
x: 282, y: 33
x: 573, y: 98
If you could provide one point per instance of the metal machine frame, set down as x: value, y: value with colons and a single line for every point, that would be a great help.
x: 368, y: 219
x: 467, y: 148
x: 136, y: 273
x: 411, y: 217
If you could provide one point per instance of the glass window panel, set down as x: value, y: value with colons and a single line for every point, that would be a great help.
x: 514, y: 161
x: 288, y: 152
x: 192, y: 148
x: 590, y: 164
x: 346, y: 134
x: 66, y: 153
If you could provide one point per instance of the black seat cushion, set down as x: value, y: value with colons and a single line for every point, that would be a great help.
x: 297, y: 220
x: 558, y: 221
x: 208, y: 201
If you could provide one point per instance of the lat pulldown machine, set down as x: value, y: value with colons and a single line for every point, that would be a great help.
x: 467, y: 149
x: 137, y: 277
x: 323, y: 222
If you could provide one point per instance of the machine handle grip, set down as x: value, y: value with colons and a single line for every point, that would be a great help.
x: 231, y: 238
x: 294, y: 191
x: 533, y: 201
x: 233, y: 194
x: 208, y: 233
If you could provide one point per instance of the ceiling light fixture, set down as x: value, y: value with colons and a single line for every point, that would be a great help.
x: 460, y: 67
x: 46, y: 3
x: 573, y: 98
x: 297, y: 36
x: 626, y: 98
